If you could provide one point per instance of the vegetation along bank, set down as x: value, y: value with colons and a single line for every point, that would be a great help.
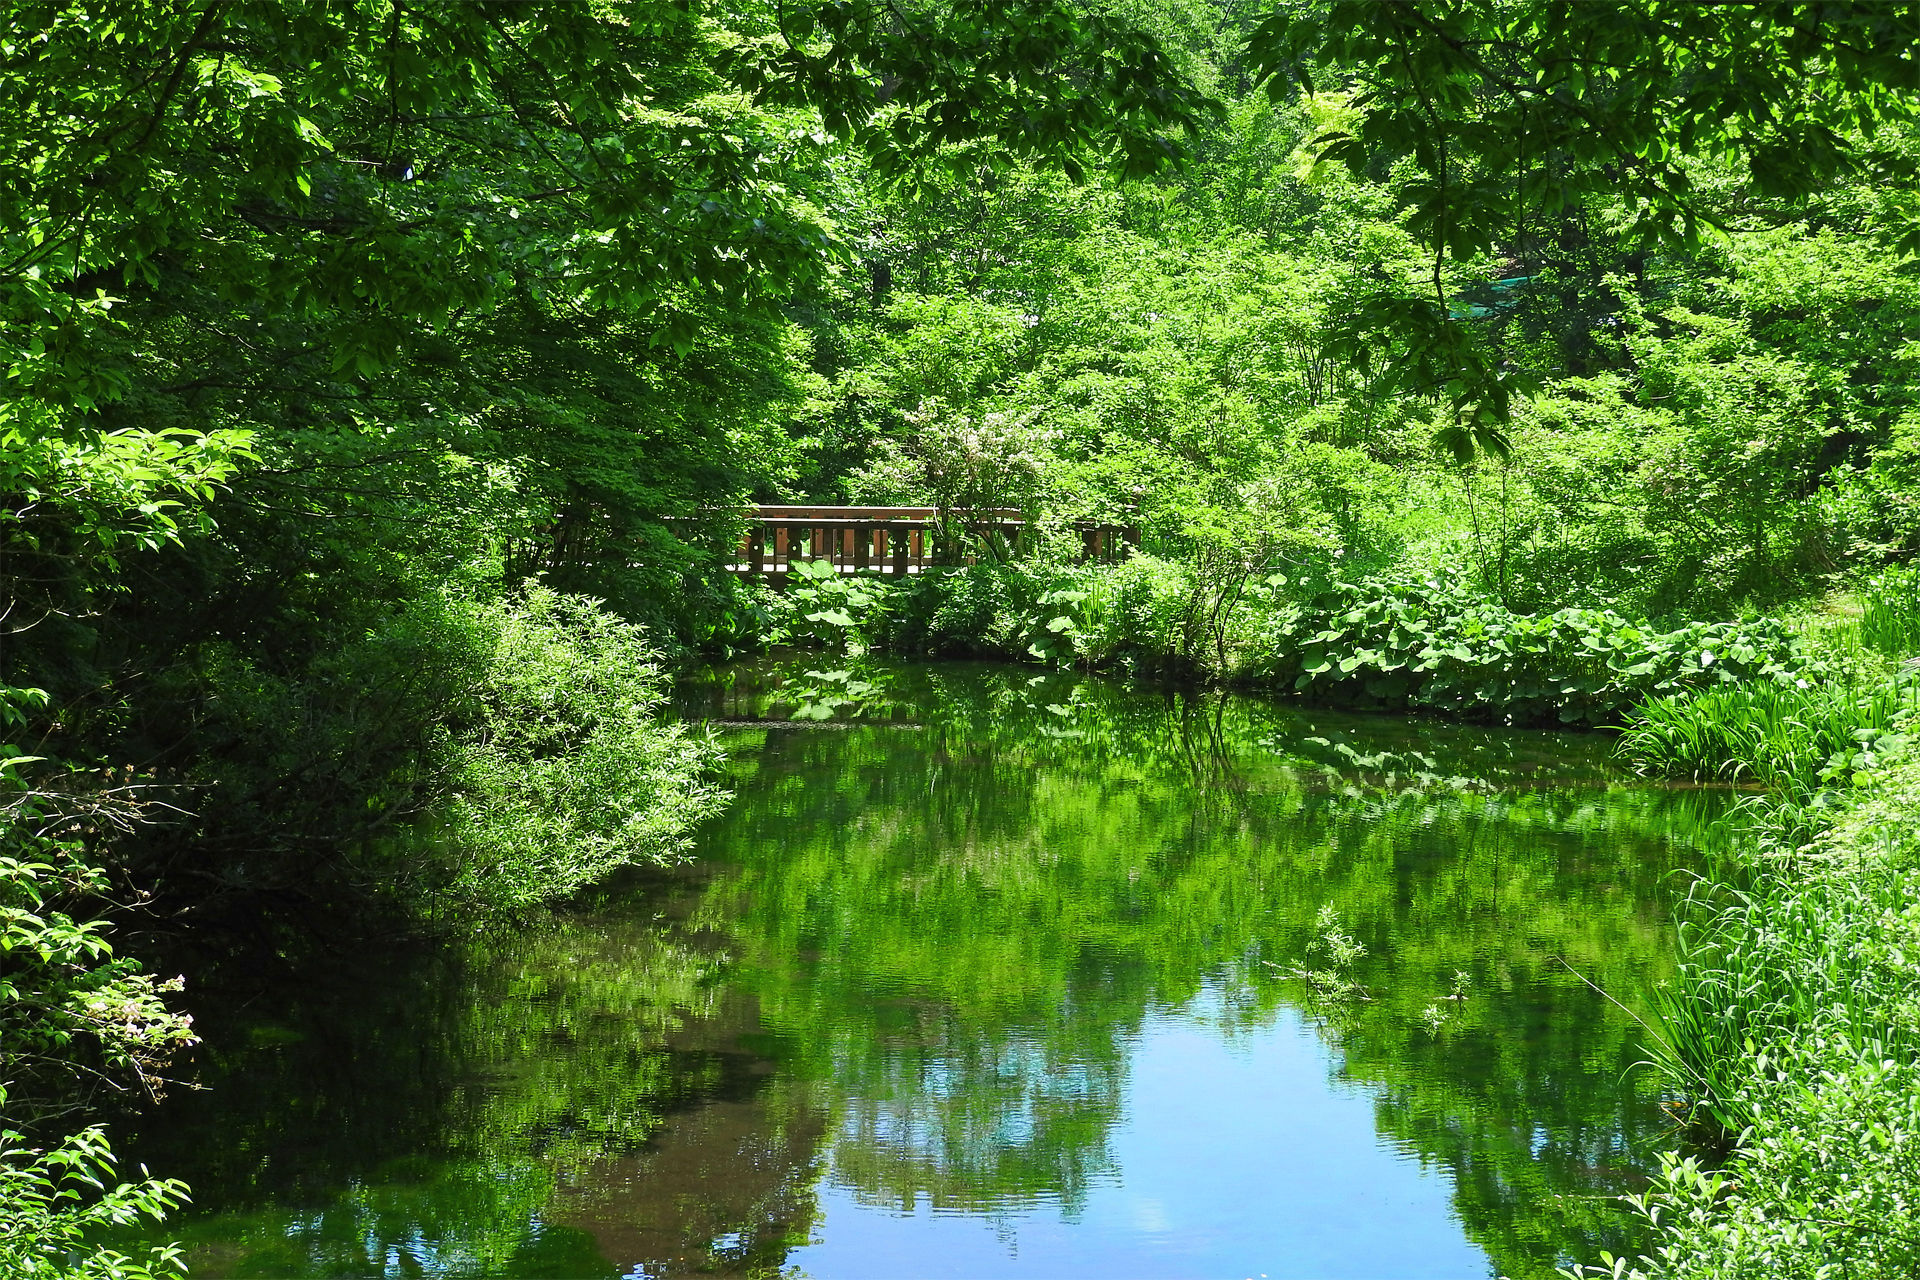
x: 381, y: 381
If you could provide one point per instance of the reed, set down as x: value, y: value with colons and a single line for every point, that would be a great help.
x: 1890, y: 612
x: 1758, y: 970
x: 1796, y: 741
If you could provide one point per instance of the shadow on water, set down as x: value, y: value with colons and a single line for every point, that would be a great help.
x: 991, y: 971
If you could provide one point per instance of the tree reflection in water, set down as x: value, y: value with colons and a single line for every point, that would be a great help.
x: 919, y: 959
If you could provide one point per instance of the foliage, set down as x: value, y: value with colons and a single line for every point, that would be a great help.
x: 1136, y: 615
x: 1431, y: 643
x: 76, y: 1022
x: 1890, y: 612
x: 973, y: 611
x: 57, y: 1201
x: 565, y: 769
x: 75, y: 1019
x: 1436, y: 644
x: 1050, y: 80
x: 103, y: 496
x: 1798, y: 738
x: 1795, y: 1023
x: 1514, y: 114
x: 826, y: 607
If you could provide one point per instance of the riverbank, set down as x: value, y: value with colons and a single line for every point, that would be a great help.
x: 1793, y: 1022
x: 1797, y: 1012
x: 1401, y: 642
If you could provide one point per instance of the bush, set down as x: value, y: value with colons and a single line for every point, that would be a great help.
x: 297, y: 754
x: 564, y: 768
x: 976, y: 611
x: 1143, y: 613
x: 462, y: 752
x: 827, y: 608
x: 1139, y: 614
x: 54, y: 1200
x: 74, y: 1020
x: 1435, y: 643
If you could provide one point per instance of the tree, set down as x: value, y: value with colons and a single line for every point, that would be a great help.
x: 309, y: 310
x: 1513, y: 113
x: 295, y: 222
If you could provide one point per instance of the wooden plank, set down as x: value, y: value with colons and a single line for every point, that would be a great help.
x: 926, y: 515
x: 823, y: 522
x: 839, y: 513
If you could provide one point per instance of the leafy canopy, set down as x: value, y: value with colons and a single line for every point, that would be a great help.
x: 1518, y: 113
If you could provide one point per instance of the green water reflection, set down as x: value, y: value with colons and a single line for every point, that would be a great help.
x: 932, y: 942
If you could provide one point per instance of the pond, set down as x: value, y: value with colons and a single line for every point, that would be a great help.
x: 992, y: 972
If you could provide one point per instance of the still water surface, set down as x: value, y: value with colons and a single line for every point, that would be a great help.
x: 992, y: 973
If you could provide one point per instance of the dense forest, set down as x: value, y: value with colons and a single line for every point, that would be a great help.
x: 384, y: 384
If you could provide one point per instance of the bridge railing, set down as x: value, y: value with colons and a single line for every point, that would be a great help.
x: 895, y: 541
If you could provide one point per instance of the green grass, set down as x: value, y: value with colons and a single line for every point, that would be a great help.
x: 1793, y: 1026
x: 1793, y: 740
x: 1890, y: 612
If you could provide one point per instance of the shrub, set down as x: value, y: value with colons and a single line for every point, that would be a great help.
x: 462, y: 752
x: 74, y: 1019
x: 302, y: 751
x: 1139, y: 614
x: 974, y: 611
x: 54, y: 1199
x: 565, y: 768
x: 1435, y: 643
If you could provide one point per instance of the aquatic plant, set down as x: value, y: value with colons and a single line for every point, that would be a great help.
x: 1333, y: 986
x: 1793, y: 739
x: 1890, y: 611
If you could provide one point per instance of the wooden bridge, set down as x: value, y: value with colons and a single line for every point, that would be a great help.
x: 895, y: 541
